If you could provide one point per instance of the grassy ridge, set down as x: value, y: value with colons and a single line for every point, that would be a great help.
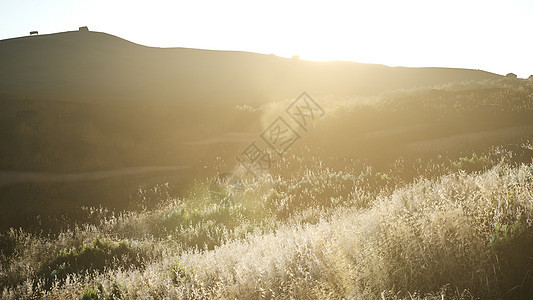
x: 424, y: 193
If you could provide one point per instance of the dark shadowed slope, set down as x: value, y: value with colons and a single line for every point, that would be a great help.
x: 94, y: 66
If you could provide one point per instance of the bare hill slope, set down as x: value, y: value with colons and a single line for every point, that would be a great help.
x: 94, y: 66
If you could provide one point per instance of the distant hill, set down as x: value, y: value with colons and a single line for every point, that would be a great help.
x: 89, y: 119
x: 94, y: 66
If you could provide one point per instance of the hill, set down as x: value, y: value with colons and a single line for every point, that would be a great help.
x: 93, y: 66
x: 87, y: 118
x: 119, y: 177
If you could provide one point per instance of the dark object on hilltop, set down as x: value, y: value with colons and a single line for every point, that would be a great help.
x: 530, y: 77
x: 34, y: 32
x: 84, y: 28
x: 511, y: 75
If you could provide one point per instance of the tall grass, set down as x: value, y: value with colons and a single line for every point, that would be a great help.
x: 458, y: 236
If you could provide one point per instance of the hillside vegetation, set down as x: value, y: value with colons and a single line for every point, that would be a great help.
x: 391, y: 132
x: 415, y: 193
x: 316, y: 236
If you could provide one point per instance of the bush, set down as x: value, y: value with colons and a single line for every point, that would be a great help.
x: 473, y: 164
x: 98, y: 293
x: 96, y: 256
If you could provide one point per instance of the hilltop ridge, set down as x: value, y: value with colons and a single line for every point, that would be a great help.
x: 95, y: 66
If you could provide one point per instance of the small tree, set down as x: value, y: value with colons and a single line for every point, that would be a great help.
x: 511, y: 75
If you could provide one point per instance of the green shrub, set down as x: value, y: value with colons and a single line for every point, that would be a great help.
x: 176, y: 218
x: 99, y: 293
x: 96, y: 256
x: 473, y: 164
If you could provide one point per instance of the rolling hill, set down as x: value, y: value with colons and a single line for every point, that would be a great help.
x: 93, y: 66
x: 86, y: 118
x: 119, y: 176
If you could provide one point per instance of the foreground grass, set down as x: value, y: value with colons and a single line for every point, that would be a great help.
x: 457, y: 236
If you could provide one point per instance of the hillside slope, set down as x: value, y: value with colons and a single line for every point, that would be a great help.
x: 94, y: 66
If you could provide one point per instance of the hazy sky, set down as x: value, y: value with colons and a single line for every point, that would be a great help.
x: 496, y: 36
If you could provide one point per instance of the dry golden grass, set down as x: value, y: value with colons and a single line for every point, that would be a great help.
x: 458, y: 236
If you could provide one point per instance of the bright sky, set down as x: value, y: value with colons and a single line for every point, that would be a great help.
x: 496, y: 36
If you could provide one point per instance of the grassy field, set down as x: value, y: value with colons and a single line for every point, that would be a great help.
x: 425, y: 193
